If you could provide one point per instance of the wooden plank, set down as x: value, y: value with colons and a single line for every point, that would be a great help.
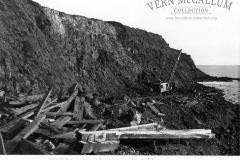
x: 151, y: 126
x: 13, y: 129
x: 78, y: 110
x: 109, y: 146
x: 24, y: 116
x: 86, y: 121
x: 31, y: 106
x: 169, y: 134
x: 65, y: 135
x: 64, y: 121
x: 2, y: 146
x: 54, y: 106
x: 30, y: 98
x: 41, y: 105
x: 67, y: 104
x: 51, y: 128
x: 17, y: 103
x: 54, y: 114
x: 56, y: 121
x: 84, y: 147
x: 43, y: 131
x: 30, y: 148
x: 25, y: 133
x: 154, y: 109
x: 25, y: 109
x: 165, y: 136
x: 96, y: 127
x: 26, y: 98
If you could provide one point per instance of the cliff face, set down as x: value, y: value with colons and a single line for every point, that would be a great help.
x: 40, y: 47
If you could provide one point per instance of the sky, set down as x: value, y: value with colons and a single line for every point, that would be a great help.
x: 212, y: 41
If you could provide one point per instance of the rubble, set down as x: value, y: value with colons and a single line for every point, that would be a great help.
x: 83, y: 124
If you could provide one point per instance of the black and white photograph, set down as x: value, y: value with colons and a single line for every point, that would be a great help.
x: 119, y: 79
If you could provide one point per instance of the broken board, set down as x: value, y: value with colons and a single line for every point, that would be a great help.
x: 25, y: 133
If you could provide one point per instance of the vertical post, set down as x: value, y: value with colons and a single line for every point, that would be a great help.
x: 2, y: 147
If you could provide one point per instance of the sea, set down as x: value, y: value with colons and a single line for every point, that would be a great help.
x: 231, y: 89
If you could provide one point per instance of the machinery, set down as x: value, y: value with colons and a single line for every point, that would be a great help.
x: 166, y: 86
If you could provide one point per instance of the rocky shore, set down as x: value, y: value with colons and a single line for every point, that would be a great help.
x: 211, y: 111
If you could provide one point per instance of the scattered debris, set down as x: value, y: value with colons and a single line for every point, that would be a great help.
x: 83, y: 124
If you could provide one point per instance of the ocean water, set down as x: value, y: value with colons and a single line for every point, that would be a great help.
x: 231, y: 90
x: 221, y: 71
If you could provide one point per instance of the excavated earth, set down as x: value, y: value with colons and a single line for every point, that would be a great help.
x: 41, y: 48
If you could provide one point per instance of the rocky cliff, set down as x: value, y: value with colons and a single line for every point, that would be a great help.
x: 41, y: 48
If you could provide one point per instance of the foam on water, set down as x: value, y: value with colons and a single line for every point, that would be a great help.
x: 231, y: 90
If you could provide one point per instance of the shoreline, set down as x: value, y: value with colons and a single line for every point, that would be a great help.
x: 212, y: 112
